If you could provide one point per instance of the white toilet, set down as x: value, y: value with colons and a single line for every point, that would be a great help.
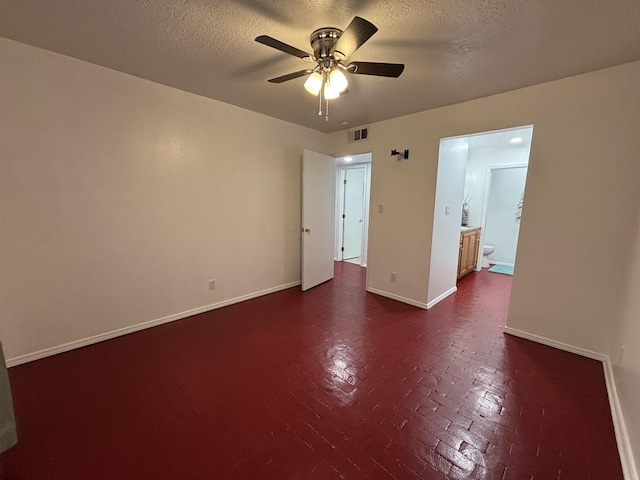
x: 486, y: 251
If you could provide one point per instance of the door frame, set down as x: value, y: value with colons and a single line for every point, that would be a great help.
x: 340, y: 173
x: 442, y: 275
x: 485, y: 202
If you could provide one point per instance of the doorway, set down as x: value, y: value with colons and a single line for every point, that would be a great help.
x: 352, y: 214
x: 464, y: 165
x: 323, y: 230
x: 353, y: 181
x: 502, y: 211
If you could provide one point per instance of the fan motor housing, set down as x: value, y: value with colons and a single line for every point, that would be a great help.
x: 323, y: 40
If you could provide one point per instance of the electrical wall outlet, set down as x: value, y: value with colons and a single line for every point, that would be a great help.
x: 212, y: 284
x: 394, y: 276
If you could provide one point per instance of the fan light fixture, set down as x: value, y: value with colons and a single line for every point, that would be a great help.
x: 331, y: 47
x: 334, y: 84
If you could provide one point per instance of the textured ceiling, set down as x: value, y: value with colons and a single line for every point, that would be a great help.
x: 454, y: 50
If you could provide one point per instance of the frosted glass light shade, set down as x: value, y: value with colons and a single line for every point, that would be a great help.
x: 313, y: 83
x: 335, y: 84
x: 330, y: 93
x: 338, y: 80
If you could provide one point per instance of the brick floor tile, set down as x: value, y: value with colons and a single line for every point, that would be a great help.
x: 332, y: 383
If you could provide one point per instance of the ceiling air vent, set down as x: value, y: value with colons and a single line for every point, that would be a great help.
x: 358, y: 134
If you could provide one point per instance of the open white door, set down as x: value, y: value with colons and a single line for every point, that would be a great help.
x: 318, y: 196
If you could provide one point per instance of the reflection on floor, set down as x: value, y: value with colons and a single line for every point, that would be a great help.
x: 328, y: 384
x: 353, y: 260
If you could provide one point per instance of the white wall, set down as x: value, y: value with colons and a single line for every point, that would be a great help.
x: 445, y: 247
x: 582, y: 187
x: 120, y: 199
x: 582, y: 180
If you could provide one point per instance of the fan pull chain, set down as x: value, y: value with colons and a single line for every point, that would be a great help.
x: 322, y: 96
x: 324, y: 80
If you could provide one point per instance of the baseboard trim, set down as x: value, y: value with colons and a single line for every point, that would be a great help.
x: 625, y: 451
x: 438, y: 299
x: 393, y: 296
x: 48, y: 352
x: 629, y: 469
x: 554, y: 343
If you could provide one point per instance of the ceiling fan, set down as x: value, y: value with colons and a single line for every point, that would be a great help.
x: 331, y: 46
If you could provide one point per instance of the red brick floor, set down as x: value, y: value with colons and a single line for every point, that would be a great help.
x: 328, y: 384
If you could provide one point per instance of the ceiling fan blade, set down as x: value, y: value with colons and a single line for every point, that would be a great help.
x: 375, y: 68
x: 283, y: 47
x: 290, y: 76
x: 354, y: 36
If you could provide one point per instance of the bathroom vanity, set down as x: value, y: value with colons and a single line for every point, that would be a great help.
x: 469, y: 248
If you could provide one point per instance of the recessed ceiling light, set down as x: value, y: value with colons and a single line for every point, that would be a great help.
x: 516, y: 140
x: 348, y: 159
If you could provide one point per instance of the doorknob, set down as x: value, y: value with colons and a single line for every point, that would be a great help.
x: 306, y: 230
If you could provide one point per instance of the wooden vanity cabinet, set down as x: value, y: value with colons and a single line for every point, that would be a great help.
x: 469, y: 248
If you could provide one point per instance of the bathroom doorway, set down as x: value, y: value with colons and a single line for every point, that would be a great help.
x: 465, y: 164
x: 353, y: 178
x: 502, y: 213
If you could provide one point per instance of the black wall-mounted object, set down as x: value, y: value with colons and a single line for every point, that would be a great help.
x: 404, y: 155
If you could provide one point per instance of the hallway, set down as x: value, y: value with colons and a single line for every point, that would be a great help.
x: 327, y: 384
